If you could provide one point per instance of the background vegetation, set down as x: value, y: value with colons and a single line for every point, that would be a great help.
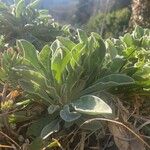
x: 111, y: 24
x: 67, y: 88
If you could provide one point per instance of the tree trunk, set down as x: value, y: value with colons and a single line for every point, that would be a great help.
x: 140, y: 13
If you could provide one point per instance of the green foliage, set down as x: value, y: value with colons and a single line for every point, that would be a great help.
x: 91, y: 105
x: 50, y: 128
x: 110, y: 24
x: 134, y: 52
x: 68, y: 116
x: 60, y: 81
x: 36, y: 144
x: 21, y: 21
x: 66, y: 77
x: 118, y: 4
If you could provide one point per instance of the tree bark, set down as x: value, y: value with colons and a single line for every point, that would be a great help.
x: 140, y: 13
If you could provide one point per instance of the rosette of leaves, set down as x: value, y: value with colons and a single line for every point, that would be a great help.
x: 26, y: 21
x: 66, y: 77
x: 130, y: 54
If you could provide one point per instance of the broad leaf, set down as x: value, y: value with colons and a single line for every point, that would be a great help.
x: 44, y: 56
x: 54, y: 46
x: 69, y: 116
x: 52, y: 108
x: 59, y: 61
x: 118, y: 78
x: 91, y: 105
x: 34, y: 4
x: 82, y: 36
x: 49, y: 129
x: 76, y: 54
x: 109, y: 82
x: 31, y: 75
x: 98, y: 52
x: 20, y: 8
x: 67, y: 43
x: 116, y: 64
x: 128, y: 40
x: 38, y: 79
x: 34, y: 88
x: 112, y: 51
x: 138, y: 32
x: 29, y: 52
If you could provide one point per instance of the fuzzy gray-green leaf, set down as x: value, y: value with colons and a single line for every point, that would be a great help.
x: 29, y: 52
x: 49, y: 129
x: 69, y: 116
x: 91, y: 105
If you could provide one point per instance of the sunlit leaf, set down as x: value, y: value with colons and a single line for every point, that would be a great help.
x: 29, y: 52
x: 91, y: 105
x: 82, y: 36
x: 34, y: 4
x: 20, y: 8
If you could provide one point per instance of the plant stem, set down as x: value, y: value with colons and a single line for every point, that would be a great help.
x: 82, y: 143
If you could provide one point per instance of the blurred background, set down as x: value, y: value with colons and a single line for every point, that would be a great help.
x: 107, y: 17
